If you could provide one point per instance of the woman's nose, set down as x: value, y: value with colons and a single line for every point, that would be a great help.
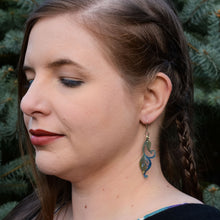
x: 36, y: 99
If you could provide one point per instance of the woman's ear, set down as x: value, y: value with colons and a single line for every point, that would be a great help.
x: 156, y: 96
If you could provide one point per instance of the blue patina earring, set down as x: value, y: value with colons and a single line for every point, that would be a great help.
x: 145, y: 161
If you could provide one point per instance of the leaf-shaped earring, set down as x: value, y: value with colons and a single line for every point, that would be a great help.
x: 145, y: 161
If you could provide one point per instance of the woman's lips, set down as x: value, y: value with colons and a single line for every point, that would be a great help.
x: 41, y: 137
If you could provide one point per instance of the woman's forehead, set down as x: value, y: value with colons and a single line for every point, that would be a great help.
x: 60, y: 35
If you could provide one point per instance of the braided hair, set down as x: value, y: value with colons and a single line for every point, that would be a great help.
x: 141, y: 38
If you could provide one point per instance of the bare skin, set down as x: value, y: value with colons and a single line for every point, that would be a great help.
x: 101, y: 123
x: 126, y: 196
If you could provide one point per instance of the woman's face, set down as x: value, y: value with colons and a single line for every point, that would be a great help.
x: 79, y: 113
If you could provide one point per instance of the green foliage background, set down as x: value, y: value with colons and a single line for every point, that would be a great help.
x: 201, y: 22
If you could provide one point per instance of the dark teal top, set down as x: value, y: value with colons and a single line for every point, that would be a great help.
x: 157, y: 211
x: 184, y: 212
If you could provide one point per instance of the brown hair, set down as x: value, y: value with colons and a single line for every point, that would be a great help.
x: 141, y: 38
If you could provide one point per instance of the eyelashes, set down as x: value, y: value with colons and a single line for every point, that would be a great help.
x: 65, y: 82
x: 28, y: 83
x: 70, y: 82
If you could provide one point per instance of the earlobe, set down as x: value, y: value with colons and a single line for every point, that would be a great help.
x: 156, y: 96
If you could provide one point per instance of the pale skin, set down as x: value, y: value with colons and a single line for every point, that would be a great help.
x: 102, y: 122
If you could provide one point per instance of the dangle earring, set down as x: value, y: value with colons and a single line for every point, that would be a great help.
x: 145, y: 161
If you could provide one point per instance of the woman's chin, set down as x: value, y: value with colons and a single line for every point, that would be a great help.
x: 46, y: 164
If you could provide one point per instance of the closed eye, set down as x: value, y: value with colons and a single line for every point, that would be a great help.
x: 28, y: 83
x: 70, y: 82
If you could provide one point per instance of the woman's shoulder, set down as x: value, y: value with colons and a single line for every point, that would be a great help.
x: 186, y: 212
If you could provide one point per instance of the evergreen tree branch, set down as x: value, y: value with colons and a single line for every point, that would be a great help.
x: 195, y: 10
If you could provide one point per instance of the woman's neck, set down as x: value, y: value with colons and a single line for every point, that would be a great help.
x: 119, y: 190
x: 116, y: 192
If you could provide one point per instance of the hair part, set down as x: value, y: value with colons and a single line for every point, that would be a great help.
x: 140, y: 38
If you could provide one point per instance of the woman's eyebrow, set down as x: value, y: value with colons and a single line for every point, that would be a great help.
x: 63, y: 62
x: 28, y: 68
x: 59, y: 63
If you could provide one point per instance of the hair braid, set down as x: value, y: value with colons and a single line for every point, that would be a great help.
x: 190, y: 184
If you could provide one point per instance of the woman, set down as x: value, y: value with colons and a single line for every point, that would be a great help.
x: 106, y: 94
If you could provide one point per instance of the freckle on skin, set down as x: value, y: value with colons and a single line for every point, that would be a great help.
x: 132, y: 205
x: 117, y: 196
x: 85, y: 206
x: 103, y: 189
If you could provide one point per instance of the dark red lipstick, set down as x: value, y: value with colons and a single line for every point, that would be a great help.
x: 41, y: 137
